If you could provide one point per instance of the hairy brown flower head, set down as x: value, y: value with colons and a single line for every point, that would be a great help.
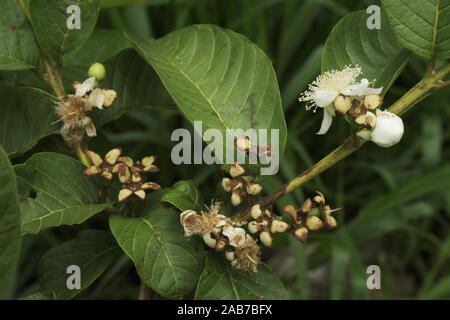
x: 72, y: 109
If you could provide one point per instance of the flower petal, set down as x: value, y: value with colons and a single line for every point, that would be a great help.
x: 323, y: 98
x: 112, y: 155
x: 151, y: 185
x: 361, y: 89
x: 92, y: 170
x: 140, y: 193
x: 94, y: 157
x: 123, y: 173
x: 327, y: 120
x: 87, y: 85
x: 96, y: 98
x: 110, y: 97
x: 107, y: 175
x: 123, y: 194
x: 127, y: 160
x: 90, y: 129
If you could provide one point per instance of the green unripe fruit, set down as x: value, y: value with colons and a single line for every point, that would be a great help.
x: 98, y: 71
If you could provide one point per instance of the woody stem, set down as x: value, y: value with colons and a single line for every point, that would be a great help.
x: 421, y: 90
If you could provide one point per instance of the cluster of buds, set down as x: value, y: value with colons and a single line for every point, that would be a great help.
x: 240, y: 185
x: 129, y: 172
x: 266, y: 223
x: 219, y: 232
x: 382, y: 127
x: 72, y: 109
x: 314, y: 215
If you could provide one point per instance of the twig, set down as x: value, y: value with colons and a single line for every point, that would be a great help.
x: 421, y: 90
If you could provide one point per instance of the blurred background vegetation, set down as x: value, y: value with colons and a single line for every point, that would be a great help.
x: 395, y: 202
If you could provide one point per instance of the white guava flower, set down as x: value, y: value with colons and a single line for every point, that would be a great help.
x: 388, y: 129
x: 322, y: 91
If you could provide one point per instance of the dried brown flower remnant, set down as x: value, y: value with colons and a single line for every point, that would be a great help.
x: 115, y: 164
x: 72, y: 109
x: 219, y: 232
x: 136, y: 187
x: 247, y: 256
x: 303, y: 221
x: 105, y: 167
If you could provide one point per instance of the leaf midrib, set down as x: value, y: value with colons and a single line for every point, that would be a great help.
x: 171, y: 267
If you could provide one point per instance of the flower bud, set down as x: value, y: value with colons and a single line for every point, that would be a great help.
x: 266, y: 238
x: 320, y: 199
x: 388, y: 129
x: 236, y: 170
x: 278, y: 226
x: 226, y: 184
x: 229, y: 255
x: 123, y: 173
x: 253, y: 227
x: 210, y: 241
x: 290, y: 210
x: 301, y: 234
x: 313, y: 223
x: 243, y: 144
x: 236, y: 198
x: 256, y: 211
x: 307, y: 205
x: 331, y: 222
x: 342, y: 104
x: 98, y: 71
x: 253, y: 188
x: 364, y: 134
x: 373, y: 101
x: 368, y: 119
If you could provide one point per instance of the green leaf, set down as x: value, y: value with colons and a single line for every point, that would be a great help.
x: 18, y: 49
x: 165, y: 260
x: 10, y: 237
x: 55, y: 191
x: 93, y: 251
x: 118, y: 3
x: 37, y: 296
x: 49, y: 19
x: 422, y: 26
x: 383, y: 214
x: 102, y: 45
x: 219, y: 77
x: 377, y: 51
x: 27, y: 116
x: 440, y: 291
x: 185, y: 196
x: 220, y: 282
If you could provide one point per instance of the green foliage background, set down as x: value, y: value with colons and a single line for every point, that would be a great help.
x: 395, y: 202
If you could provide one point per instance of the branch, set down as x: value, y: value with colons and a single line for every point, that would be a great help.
x: 421, y: 90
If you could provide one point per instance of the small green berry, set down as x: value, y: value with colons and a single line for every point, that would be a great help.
x: 98, y: 71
